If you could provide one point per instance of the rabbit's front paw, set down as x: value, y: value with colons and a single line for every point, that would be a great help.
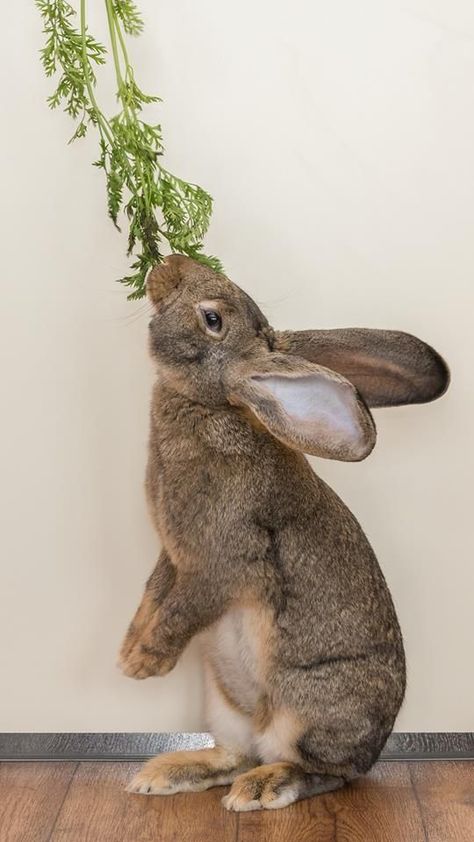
x: 143, y: 661
x: 129, y: 642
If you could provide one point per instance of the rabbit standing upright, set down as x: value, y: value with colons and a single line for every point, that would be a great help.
x: 303, y: 654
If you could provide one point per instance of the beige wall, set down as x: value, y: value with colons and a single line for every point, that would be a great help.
x: 337, y: 139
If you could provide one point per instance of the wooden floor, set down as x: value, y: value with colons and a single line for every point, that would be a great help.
x: 86, y: 802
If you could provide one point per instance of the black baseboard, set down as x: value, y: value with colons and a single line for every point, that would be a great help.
x: 131, y: 746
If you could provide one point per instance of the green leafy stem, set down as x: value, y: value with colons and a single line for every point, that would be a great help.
x: 158, y: 205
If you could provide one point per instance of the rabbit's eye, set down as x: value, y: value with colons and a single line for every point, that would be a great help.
x: 210, y: 319
x: 213, y: 320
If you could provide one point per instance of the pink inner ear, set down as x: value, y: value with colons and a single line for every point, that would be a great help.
x: 372, y: 373
x: 316, y: 402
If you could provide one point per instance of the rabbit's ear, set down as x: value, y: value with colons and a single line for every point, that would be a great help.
x: 308, y: 407
x: 389, y: 368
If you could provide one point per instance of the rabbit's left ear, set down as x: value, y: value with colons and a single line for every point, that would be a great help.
x: 307, y: 407
x: 388, y: 367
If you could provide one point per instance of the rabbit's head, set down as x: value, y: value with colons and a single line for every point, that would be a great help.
x: 310, y: 389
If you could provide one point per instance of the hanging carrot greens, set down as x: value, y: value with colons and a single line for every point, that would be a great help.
x: 158, y: 205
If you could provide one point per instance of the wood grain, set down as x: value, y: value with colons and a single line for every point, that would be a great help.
x: 445, y: 793
x: 31, y: 795
x: 98, y: 809
x: 87, y: 802
x: 378, y: 808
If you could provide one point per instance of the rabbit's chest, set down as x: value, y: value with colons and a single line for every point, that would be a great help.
x: 200, y: 504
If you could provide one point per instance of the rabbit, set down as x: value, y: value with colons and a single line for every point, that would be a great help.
x: 303, y: 654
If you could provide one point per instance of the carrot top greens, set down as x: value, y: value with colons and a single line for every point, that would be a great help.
x: 157, y: 204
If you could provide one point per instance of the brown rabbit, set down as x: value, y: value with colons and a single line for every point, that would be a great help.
x: 303, y: 652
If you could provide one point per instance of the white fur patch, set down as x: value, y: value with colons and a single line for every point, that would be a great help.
x: 228, y: 727
x: 232, y: 646
x: 278, y: 740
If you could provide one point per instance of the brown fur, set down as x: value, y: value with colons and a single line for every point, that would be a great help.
x: 387, y: 366
x: 243, y: 520
x: 262, y: 714
x: 140, y: 630
x: 275, y: 785
x: 262, y: 784
x: 195, y: 770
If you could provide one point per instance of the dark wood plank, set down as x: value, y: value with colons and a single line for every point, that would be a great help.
x: 445, y: 792
x: 97, y: 809
x: 397, y: 802
x: 380, y: 807
x: 31, y: 795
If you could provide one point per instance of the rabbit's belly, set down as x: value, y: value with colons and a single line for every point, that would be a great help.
x: 237, y: 651
x: 239, y: 713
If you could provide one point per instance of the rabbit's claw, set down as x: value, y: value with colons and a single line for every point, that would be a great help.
x: 144, y: 662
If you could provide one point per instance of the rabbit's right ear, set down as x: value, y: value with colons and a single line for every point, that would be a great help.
x: 388, y: 367
x: 306, y: 406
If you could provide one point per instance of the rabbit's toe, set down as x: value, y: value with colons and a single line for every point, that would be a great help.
x: 186, y: 771
x: 141, y: 663
x: 265, y: 788
x: 152, y: 779
x: 124, y: 654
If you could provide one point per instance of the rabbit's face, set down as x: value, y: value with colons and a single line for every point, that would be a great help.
x: 310, y: 389
x: 203, y: 324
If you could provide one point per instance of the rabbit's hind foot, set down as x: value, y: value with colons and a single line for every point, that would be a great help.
x: 188, y: 771
x: 276, y: 785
